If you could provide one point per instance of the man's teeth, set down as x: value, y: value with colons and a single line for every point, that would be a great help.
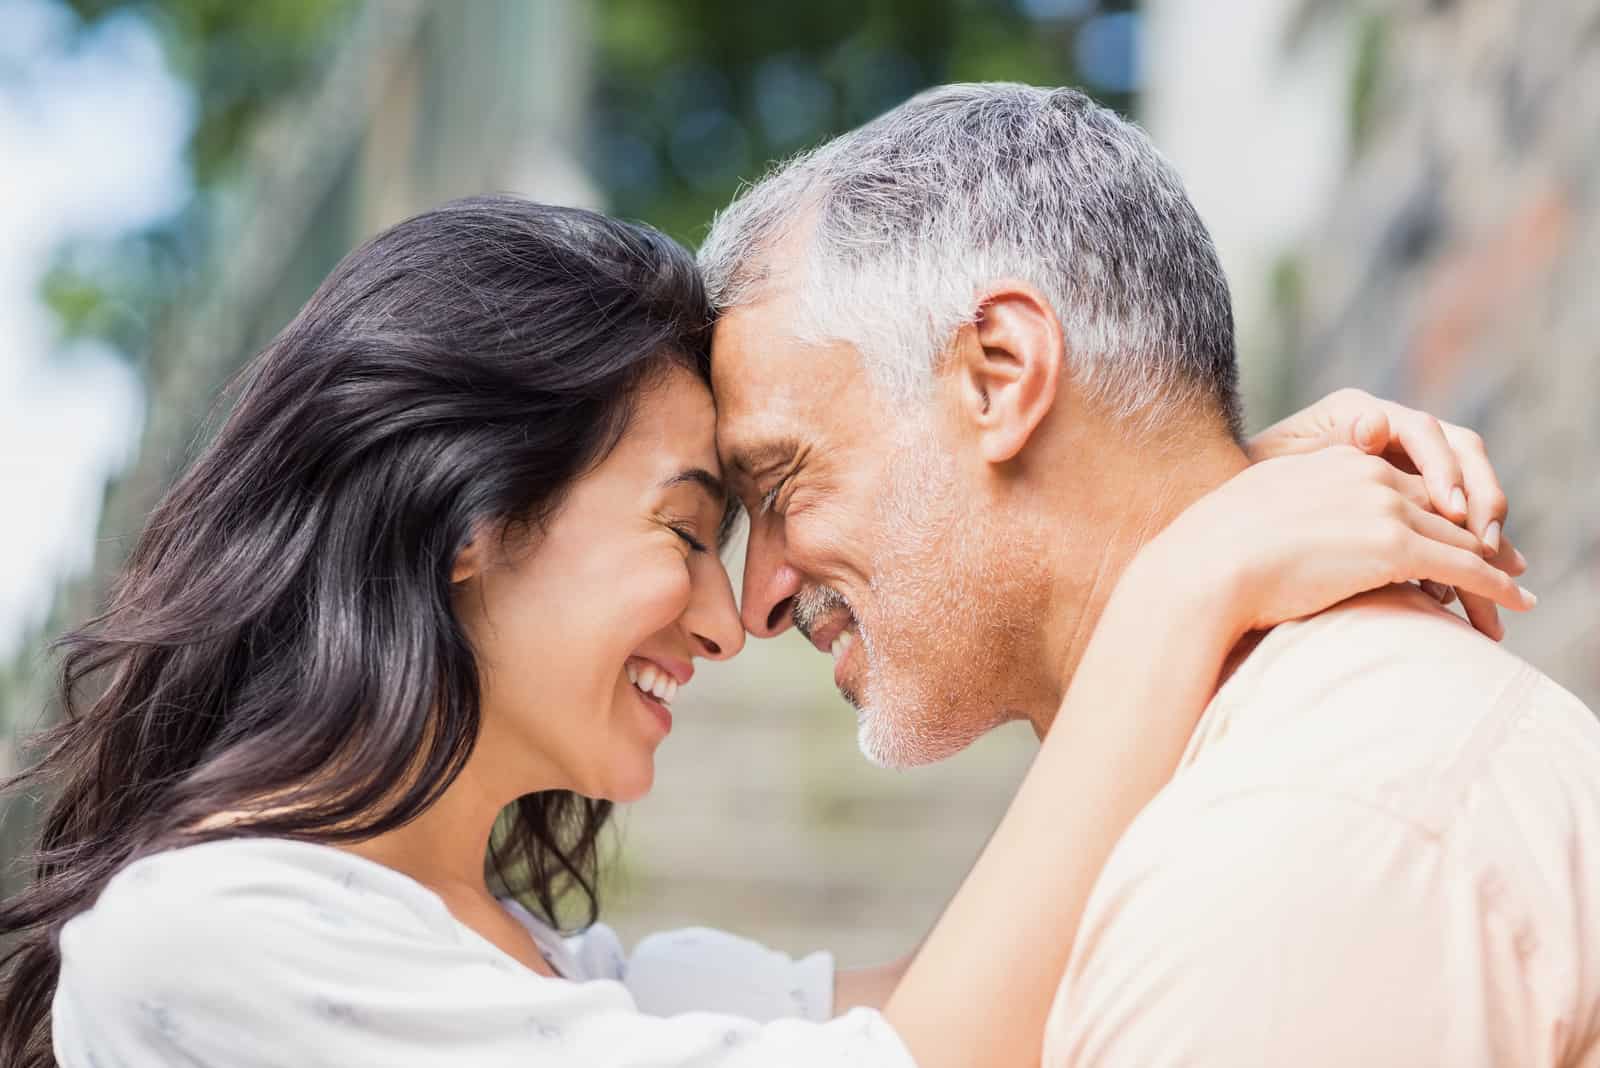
x: 653, y: 681
x: 842, y: 643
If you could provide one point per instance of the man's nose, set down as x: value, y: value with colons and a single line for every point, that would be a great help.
x: 770, y: 584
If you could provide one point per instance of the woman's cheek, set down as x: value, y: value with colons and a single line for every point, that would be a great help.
x: 652, y: 595
x: 663, y: 595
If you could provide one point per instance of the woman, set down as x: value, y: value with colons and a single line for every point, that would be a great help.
x: 390, y: 648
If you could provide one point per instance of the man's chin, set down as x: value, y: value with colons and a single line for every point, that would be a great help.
x: 889, y: 757
x: 888, y: 745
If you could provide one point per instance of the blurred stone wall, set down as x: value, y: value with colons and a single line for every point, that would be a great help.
x: 1458, y: 269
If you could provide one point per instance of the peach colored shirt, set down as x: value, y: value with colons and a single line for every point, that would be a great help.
x: 1382, y: 849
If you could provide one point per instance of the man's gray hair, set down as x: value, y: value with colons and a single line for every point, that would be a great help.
x: 898, y: 225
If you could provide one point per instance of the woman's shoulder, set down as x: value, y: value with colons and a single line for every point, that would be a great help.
x: 245, y: 869
x: 236, y: 952
x: 225, y: 895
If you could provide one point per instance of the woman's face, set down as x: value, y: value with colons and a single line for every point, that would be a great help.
x: 618, y: 594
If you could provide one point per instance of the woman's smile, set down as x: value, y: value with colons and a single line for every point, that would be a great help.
x: 656, y: 681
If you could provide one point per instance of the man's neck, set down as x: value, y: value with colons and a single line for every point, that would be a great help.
x: 1107, y: 514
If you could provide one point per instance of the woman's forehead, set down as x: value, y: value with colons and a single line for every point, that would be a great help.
x: 674, y: 425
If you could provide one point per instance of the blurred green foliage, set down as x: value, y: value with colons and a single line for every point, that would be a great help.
x: 691, y: 97
x: 1371, y: 40
x: 240, y: 59
x: 239, y: 56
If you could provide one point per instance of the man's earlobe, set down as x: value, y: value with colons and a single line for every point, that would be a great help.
x: 1010, y: 365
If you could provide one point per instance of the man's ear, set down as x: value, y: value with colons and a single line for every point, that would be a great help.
x: 1009, y: 364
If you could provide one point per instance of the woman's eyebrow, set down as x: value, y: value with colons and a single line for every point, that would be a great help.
x: 699, y: 476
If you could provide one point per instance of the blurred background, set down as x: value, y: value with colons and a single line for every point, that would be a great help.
x: 1406, y: 195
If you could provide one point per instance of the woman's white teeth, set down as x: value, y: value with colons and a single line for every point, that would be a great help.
x: 653, y: 681
x: 842, y: 643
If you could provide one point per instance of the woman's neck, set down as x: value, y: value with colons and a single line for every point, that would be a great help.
x: 444, y: 848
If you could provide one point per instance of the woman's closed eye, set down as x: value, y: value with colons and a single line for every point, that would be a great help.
x: 688, y: 536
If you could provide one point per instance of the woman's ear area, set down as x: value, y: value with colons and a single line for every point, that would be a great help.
x: 1008, y: 362
x: 469, y: 559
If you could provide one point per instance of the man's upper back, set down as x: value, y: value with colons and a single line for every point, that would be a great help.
x: 1383, y: 848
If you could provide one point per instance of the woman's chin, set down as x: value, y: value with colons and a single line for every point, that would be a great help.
x: 629, y: 784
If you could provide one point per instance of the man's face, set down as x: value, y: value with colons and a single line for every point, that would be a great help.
x: 866, y: 535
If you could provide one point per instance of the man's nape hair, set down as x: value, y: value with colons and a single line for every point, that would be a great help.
x: 885, y: 236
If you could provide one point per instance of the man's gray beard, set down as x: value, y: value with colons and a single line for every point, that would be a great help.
x: 935, y: 584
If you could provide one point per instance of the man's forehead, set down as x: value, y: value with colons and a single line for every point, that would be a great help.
x: 775, y: 394
x: 759, y: 360
x: 752, y: 437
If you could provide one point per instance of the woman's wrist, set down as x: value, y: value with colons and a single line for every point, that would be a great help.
x: 1203, y: 588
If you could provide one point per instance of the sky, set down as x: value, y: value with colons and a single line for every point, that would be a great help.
x: 92, y: 133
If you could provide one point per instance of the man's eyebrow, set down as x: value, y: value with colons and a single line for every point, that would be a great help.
x: 751, y: 462
x: 699, y: 476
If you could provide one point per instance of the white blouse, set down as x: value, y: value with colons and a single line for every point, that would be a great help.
x: 256, y: 952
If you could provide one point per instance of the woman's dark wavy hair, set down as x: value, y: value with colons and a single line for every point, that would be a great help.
x: 283, y: 628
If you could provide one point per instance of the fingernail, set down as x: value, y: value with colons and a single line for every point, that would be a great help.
x: 1458, y: 500
x: 1528, y: 596
x: 1491, y: 536
x: 1522, y: 561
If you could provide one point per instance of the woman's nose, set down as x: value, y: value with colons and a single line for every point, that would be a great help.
x: 713, y: 617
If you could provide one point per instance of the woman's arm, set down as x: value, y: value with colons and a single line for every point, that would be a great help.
x: 855, y: 988
x: 1002, y: 945
x: 1284, y: 539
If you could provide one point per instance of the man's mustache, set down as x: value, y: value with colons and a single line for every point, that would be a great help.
x: 814, y: 604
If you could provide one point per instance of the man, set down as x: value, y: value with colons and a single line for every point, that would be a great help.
x: 970, y: 357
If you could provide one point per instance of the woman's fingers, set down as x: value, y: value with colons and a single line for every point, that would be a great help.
x: 1486, y: 500
x: 1440, y: 529
x: 1484, y: 615
x: 1411, y: 487
x: 1470, y: 574
x: 1371, y: 432
x: 1481, y: 610
x: 1423, y: 439
x: 1485, y: 504
x: 1445, y: 595
x: 1510, y: 559
x: 1452, y: 460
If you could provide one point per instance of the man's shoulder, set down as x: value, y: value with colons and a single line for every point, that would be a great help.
x: 1362, y: 658
x: 1380, y: 796
x: 1396, y: 726
x: 1386, y: 700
